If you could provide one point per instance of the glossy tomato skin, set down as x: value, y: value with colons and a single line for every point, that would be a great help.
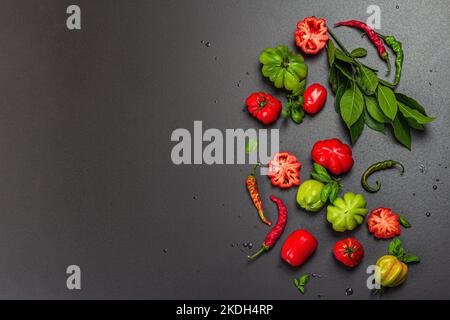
x: 315, y: 96
x: 349, y: 251
x: 298, y: 247
x: 263, y: 107
x: 333, y: 155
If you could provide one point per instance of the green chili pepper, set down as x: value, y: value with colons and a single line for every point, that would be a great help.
x: 396, y: 47
x: 377, y: 167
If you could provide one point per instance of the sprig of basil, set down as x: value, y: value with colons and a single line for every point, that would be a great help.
x: 396, y: 249
x: 301, y: 282
x: 332, y: 185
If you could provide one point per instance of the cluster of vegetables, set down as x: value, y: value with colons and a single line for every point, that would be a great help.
x: 361, y: 99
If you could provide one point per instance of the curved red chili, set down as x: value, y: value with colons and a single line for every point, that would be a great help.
x: 275, y: 233
x: 374, y: 37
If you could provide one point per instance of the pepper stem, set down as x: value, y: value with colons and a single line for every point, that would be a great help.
x: 401, y: 166
x: 254, y: 256
x: 254, y: 169
x: 338, y: 42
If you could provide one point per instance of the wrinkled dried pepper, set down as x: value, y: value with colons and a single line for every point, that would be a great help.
x: 252, y: 187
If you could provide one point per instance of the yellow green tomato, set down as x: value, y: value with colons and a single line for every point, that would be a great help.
x: 390, y: 271
x: 308, y: 195
x: 347, y: 213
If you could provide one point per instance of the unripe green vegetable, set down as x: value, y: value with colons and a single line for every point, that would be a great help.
x: 308, y: 195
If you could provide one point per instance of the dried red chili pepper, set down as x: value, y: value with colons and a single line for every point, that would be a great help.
x: 374, y: 37
x: 252, y: 187
x: 275, y: 233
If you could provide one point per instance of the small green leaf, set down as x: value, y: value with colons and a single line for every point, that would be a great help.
x: 410, y: 258
x: 251, y: 146
x: 357, y: 129
x: 414, y: 114
x: 369, y: 80
x: 304, y: 279
x: 320, y: 170
x: 410, y: 102
x: 402, y: 131
x: 331, y: 52
x: 336, y: 189
x: 342, y: 56
x: 374, y: 110
x: 387, y: 101
x: 345, y: 70
x: 326, y: 191
x: 296, y: 282
x: 359, y: 53
x: 414, y: 125
x: 301, y: 289
x: 351, y: 105
x: 396, y: 248
x: 372, y: 123
x: 320, y: 177
x: 404, y: 222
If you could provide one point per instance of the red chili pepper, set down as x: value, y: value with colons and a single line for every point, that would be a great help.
x: 263, y: 107
x: 252, y: 187
x: 311, y: 35
x: 284, y: 170
x: 333, y: 155
x: 349, y: 251
x: 298, y: 247
x: 374, y: 37
x: 275, y: 233
x: 314, y: 98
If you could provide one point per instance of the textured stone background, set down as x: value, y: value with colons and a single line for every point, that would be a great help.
x: 85, y: 170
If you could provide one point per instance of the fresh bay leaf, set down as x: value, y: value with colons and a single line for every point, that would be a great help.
x: 414, y: 114
x: 331, y: 52
x: 342, y: 56
x: 387, y: 101
x: 402, y: 131
x: 359, y: 53
x: 410, y: 102
x: 351, y: 105
x: 372, y: 123
x: 374, y: 110
x: 357, y: 129
x: 369, y: 79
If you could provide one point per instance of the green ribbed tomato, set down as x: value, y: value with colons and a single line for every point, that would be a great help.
x: 284, y: 68
x: 308, y: 195
x: 347, y: 213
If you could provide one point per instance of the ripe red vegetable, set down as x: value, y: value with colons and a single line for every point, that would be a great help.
x: 275, y: 233
x: 349, y: 251
x: 383, y: 223
x: 333, y: 155
x: 311, y: 35
x: 298, y: 247
x: 315, y: 96
x: 263, y: 106
x: 284, y: 170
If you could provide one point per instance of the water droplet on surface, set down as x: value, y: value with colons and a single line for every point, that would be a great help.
x: 348, y: 291
x: 422, y: 168
x: 215, y: 101
x: 194, y: 197
x: 428, y: 214
x: 437, y: 180
x: 250, y: 245
x: 319, y: 296
x: 245, y: 244
x: 316, y: 275
x: 397, y: 7
x: 164, y: 250
x: 435, y: 187
x: 208, y: 44
x: 414, y: 194
x: 247, y: 73
x: 202, y: 42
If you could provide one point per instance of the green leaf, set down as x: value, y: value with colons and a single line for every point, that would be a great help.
x: 326, y: 191
x: 357, y: 129
x: 345, y: 70
x: 336, y: 189
x: 299, y: 89
x: 396, y: 248
x: 369, y: 79
x: 342, y: 56
x: 359, y: 53
x: 414, y: 114
x: 251, y: 146
x: 410, y: 102
x: 387, y: 101
x: 402, y: 131
x: 296, y: 282
x: 409, y: 258
x: 374, y: 110
x: 351, y: 105
x: 320, y: 177
x: 372, y: 123
x: 339, y: 94
x: 304, y: 279
x: 414, y: 125
x: 331, y: 52
x: 319, y: 169
x: 301, y: 289
x: 403, y: 221
x: 333, y: 78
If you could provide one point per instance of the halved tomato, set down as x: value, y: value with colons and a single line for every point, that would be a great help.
x: 284, y: 170
x: 383, y: 223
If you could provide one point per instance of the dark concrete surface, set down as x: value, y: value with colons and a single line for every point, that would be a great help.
x: 85, y: 170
